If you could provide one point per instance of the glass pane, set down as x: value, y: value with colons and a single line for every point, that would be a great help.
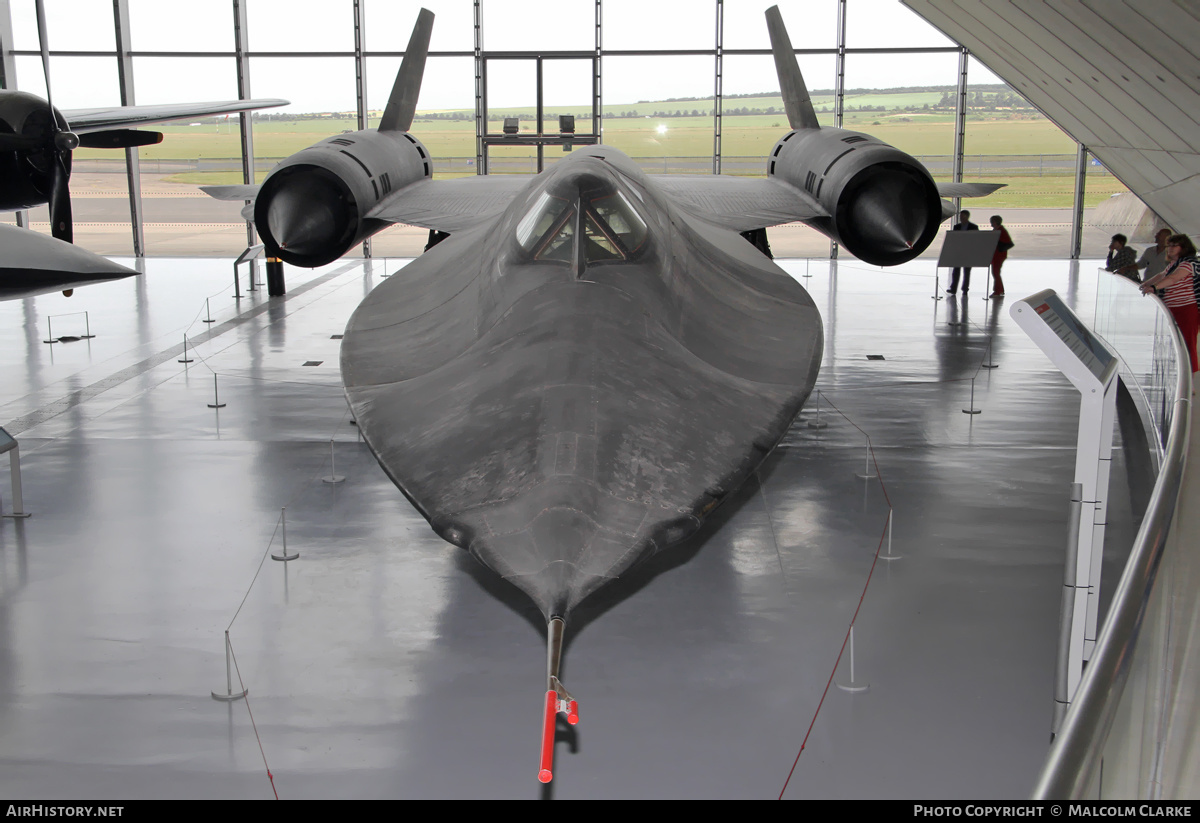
x: 511, y: 92
x: 753, y: 118
x: 389, y: 24
x: 560, y: 244
x: 520, y: 25
x: 620, y: 220
x: 155, y: 26
x: 811, y: 24
x: 567, y: 89
x: 445, y: 120
x: 512, y: 160
x: 659, y: 24
x: 71, y: 25
x: 1008, y: 141
x: 906, y: 100
x: 79, y: 82
x: 658, y: 110
x: 888, y: 24
x: 301, y: 25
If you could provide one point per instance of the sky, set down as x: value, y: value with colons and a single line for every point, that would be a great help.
x: 327, y: 83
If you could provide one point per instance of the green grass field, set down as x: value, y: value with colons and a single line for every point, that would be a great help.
x: 922, y: 133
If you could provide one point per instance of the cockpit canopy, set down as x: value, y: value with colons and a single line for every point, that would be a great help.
x: 583, y: 218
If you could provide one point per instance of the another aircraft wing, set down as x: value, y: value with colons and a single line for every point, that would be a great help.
x: 86, y: 120
x: 451, y: 205
x: 740, y: 203
x: 968, y: 189
x: 35, y: 263
x: 238, y: 192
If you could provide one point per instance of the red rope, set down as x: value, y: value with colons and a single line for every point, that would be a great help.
x: 246, y: 697
x: 857, y: 609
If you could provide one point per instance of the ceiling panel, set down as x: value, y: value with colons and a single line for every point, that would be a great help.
x: 1120, y: 76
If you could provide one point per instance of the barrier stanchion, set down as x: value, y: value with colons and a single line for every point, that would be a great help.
x: 818, y: 423
x: 972, y: 410
x: 889, y: 555
x: 853, y: 687
x: 49, y: 333
x: 185, y: 359
x: 989, y: 364
x: 216, y: 403
x: 333, y: 476
x: 867, y: 473
x: 229, y: 695
x: 283, y: 555
x: 937, y: 285
x: 208, y: 311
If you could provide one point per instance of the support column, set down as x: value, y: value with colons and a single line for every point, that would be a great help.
x: 480, y: 94
x: 1081, y: 159
x: 360, y: 80
x: 132, y: 165
x: 839, y: 87
x: 8, y: 73
x: 960, y: 123
x: 720, y: 59
x: 598, y: 78
x: 241, y: 47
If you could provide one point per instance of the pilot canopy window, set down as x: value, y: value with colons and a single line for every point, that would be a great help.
x: 611, y: 228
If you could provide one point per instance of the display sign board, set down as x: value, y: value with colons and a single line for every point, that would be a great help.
x: 968, y: 248
x: 1075, y: 350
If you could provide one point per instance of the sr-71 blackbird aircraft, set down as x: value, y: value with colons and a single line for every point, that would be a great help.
x: 36, y: 141
x: 594, y: 359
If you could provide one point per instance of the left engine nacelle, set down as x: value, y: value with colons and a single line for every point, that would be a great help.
x: 26, y: 173
x: 883, y: 206
x: 309, y: 210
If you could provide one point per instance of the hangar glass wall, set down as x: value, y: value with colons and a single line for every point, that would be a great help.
x: 684, y: 88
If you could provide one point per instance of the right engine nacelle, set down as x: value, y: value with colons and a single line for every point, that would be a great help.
x: 883, y: 205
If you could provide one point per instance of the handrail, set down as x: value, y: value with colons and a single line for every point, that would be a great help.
x: 1078, y: 747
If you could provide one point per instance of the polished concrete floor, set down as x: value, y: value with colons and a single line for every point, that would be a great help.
x: 386, y: 663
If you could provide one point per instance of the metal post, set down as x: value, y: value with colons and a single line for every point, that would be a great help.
x: 185, y: 358
x: 241, y: 48
x: 125, y: 81
x: 49, y: 333
x: 1070, y: 593
x: 216, y: 403
x: 283, y: 555
x: 839, y: 87
x: 480, y: 94
x: 989, y: 364
x: 87, y: 325
x: 717, y: 92
x: 229, y: 696
x: 889, y: 555
x: 972, y: 410
x: 597, y: 77
x: 937, y: 284
x: 333, y: 476
x: 1077, y: 210
x: 360, y: 81
x: 852, y: 687
x: 818, y: 423
x: 867, y: 473
x: 208, y: 311
x: 960, y: 123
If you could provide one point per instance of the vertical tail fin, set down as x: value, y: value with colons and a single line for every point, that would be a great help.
x: 402, y: 102
x: 791, y: 83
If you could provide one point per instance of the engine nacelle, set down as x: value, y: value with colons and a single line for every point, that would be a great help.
x: 309, y: 210
x: 26, y: 173
x: 883, y: 205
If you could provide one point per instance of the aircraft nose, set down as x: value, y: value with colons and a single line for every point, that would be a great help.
x: 306, y: 214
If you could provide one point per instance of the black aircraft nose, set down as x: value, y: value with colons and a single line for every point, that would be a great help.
x: 306, y: 214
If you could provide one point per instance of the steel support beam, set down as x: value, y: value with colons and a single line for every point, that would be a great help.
x: 8, y: 72
x: 960, y: 122
x: 598, y: 77
x: 719, y: 69
x: 245, y: 121
x: 133, y: 174
x: 480, y: 94
x: 360, y: 80
x: 839, y: 87
x: 1081, y: 160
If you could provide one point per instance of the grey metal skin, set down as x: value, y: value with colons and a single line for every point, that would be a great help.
x: 563, y: 419
x: 34, y: 263
x: 313, y: 205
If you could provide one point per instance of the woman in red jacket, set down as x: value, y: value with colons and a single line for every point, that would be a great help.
x: 1000, y: 255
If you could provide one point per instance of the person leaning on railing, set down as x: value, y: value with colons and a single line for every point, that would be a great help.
x: 1179, y: 289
